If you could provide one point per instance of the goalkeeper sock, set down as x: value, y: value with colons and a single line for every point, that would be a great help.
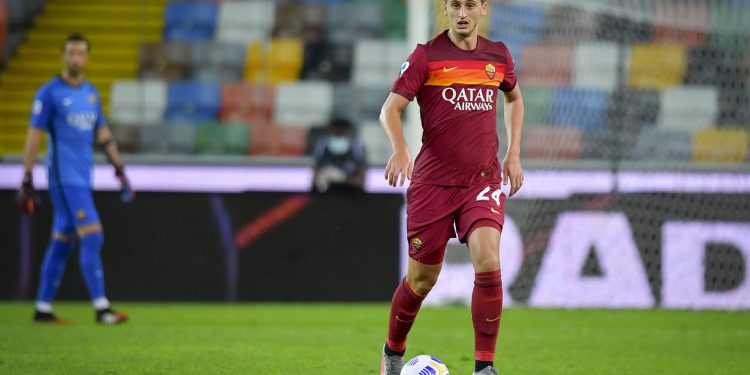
x: 404, y: 308
x: 90, y: 262
x: 53, y: 268
x: 486, y: 309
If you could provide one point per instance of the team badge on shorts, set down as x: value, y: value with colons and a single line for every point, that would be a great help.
x: 81, y: 214
x: 490, y: 70
x: 417, y: 242
x: 92, y: 98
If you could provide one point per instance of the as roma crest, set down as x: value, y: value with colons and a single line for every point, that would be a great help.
x: 490, y: 70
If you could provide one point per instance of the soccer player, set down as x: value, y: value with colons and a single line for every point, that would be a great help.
x: 457, y: 177
x: 69, y: 109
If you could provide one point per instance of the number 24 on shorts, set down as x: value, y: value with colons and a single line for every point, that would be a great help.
x: 495, y: 195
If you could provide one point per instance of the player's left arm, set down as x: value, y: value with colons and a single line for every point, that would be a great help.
x: 512, y: 170
x: 106, y: 142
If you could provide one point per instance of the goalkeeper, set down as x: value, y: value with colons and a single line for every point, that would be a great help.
x: 69, y: 109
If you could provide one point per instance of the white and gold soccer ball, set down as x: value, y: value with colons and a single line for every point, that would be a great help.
x: 424, y: 365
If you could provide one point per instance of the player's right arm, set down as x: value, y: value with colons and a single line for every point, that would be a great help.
x: 399, y: 166
x: 413, y: 74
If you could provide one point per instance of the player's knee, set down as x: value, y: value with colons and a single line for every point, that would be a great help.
x: 422, y: 283
x: 92, y: 241
x: 487, y: 261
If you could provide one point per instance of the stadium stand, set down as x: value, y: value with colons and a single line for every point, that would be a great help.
x: 115, y: 31
x: 612, y: 82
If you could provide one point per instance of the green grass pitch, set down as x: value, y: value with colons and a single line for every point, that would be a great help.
x: 346, y: 339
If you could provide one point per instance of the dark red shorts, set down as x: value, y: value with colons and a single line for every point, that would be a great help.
x: 436, y: 214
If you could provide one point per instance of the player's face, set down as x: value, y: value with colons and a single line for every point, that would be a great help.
x: 464, y: 15
x: 75, y: 56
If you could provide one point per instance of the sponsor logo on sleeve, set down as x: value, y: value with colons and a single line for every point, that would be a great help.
x: 404, y: 66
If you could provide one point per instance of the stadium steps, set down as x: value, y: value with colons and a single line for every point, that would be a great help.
x: 116, y: 30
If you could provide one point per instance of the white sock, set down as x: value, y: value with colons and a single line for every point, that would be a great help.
x: 101, y: 303
x: 44, y: 307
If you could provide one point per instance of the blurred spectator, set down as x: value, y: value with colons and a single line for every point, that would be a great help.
x: 339, y: 159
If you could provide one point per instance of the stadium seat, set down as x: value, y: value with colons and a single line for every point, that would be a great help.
x: 596, y: 66
x: 307, y: 22
x: 191, y: 21
x: 655, y: 144
x: 222, y: 139
x: 728, y: 25
x: 734, y: 107
x: 127, y: 136
x: 167, y: 139
x: 581, y: 108
x: 689, y: 107
x: 723, y: 145
x: 517, y: 23
x: 245, y: 22
x: 285, y: 58
x: 252, y: 104
x: 358, y: 103
x: 281, y: 62
x: 685, y: 24
x: 220, y: 62
x: 394, y: 19
x: 349, y: 22
x: 655, y: 66
x: 537, y: 103
x: 375, y: 142
x: 625, y: 29
x: 138, y: 102
x: 720, y: 67
x: 169, y: 61
x: 193, y: 102
x: 565, y: 23
x: 552, y: 142
x: 629, y: 112
x: 276, y: 140
x: 546, y: 65
x: 328, y: 61
x: 376, y: 62
x: 255, y: 63
x: 304, y: 104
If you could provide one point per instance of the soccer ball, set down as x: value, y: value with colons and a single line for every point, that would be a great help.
x: 425, y: 365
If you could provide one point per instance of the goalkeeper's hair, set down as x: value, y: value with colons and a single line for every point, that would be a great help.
x: 76, y: 37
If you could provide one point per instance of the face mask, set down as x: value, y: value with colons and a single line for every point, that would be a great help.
x: 338, y: 145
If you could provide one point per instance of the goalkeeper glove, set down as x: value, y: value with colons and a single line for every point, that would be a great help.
x: 127, y: 193
x: 27, y: 199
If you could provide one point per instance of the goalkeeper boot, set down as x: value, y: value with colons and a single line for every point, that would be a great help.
x: 489, y: 370
x: 391, y: 364
x: 48, y: 317
x: 110, y: 317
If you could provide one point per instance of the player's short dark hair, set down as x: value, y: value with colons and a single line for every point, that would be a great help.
x: 76, y: 37
x: 341, y: 123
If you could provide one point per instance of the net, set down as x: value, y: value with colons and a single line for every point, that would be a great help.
x: 635, y: 145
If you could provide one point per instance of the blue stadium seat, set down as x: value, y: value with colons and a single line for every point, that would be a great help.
x: 191, y: 102
x: 581, y: 108
x: 516, y: 23
x: 190, y: 21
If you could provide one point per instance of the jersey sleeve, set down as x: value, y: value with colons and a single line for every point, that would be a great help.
x: 510, y: 80
x: 413, y: 74
x: 41, y: 109
x: 100, y: 119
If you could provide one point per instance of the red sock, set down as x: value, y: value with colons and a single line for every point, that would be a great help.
x: 486, y: 308
x: 404, y: 308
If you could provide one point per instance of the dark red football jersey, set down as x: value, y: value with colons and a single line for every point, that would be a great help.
x: 457, y: 92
